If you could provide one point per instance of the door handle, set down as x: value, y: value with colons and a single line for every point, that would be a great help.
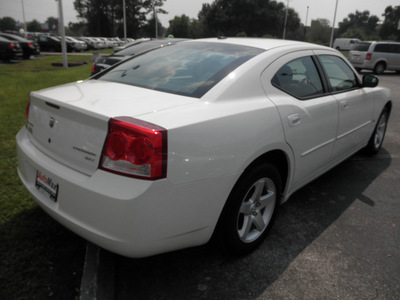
x: 294, y: 120
x: 344, y: 105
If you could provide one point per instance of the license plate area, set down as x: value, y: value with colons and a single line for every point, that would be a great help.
x: 47, y: 185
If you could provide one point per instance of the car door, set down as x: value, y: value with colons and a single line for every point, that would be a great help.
x: 355, y: 103
x: 309, y: 115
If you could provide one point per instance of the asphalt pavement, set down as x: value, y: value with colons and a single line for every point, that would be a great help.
x: 336, y: 238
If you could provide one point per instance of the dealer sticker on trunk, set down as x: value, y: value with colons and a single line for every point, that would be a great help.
x: 47, y: 185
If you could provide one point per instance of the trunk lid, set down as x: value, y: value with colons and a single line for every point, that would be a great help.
x: 70, y: 123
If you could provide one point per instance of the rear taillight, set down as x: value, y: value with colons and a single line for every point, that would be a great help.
x: 368, y: 56
x: 93, y: 69
x: 30, y: 44
x: 28, y: 106
x: 135, y: 148
x: 11, y: 46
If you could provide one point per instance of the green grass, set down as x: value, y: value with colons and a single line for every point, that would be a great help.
x: 39, y: 259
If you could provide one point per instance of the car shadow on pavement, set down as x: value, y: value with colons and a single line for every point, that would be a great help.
x: 205, y: 273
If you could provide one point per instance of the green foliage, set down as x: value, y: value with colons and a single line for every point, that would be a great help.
x: 253, y: 17
x: 34, y: 26
x: 319, y: 32
x: 39, y: 259
x: 359, y: 25
x: 389, y: 29
x: 7, y: 23
x: 180, y: 27
x: 105, y: 17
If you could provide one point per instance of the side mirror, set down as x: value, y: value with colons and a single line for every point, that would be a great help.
x: 370, y: 81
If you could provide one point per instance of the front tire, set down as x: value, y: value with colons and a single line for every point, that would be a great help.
x: 250, y: 209
x: 377, y: 137
x: 379, y: 68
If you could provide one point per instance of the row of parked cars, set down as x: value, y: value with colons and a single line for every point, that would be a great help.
x: 14, y: 46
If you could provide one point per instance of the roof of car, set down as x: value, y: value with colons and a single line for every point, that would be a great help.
x: 262, y: 43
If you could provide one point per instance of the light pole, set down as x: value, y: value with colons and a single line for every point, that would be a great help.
x: 62, y: 33
x: 305, y: 25
x: 155, y: 18
x: 286, y: 15
x: 23, y: 14
x: 333, y: 25
x: 124, y: 13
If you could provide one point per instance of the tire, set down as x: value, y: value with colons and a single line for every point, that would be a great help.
x: 250, y: 209
x: 378, y: 135
x: 338, y: 48
x: 379, y: 68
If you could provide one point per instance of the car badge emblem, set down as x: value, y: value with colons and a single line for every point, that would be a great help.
x: 51, y: 122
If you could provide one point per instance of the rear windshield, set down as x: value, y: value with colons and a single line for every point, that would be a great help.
x: 363, y: 47
x: 187, y: 68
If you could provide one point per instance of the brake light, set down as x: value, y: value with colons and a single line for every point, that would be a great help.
x: 30, y: 44
x: 135, y: 148
x: 11, y: 46
x: 28, y: 106
x: 93, y: 68
x: 368, y: 56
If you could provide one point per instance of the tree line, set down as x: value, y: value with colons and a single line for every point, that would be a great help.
x: 251, y: 18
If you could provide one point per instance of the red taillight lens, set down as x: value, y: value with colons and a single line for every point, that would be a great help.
x: 368, y: 56
x: 135, y: 148
x: 11, y: 46
x: 93, y: 68
x: 30, y: 44
x: 28, y: 106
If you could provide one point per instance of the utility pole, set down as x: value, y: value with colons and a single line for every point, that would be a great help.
x: 155, y: 18
x: 124, y: 12
x: 333, y: 25
x: 62, y: 33
x: 23, y: 14
x: 305, y: 25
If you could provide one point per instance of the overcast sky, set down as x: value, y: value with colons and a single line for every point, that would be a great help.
x: 42, y: 9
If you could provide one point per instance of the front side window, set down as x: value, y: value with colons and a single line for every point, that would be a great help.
x: 187, y: 68
x: 340, y: 76
x: 299, y: 78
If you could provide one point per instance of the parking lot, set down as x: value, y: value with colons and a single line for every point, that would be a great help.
x: 336, y: 238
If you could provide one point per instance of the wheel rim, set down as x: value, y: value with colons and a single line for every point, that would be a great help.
x: 380, y: 131
x: 380, y: 68
x: 256, y: 210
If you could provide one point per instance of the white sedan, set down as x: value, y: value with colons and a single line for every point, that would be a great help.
x: 199, y: 139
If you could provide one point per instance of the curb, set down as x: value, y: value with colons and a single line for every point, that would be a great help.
x: 98, y: 274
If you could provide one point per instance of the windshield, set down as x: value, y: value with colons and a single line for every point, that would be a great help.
x: 187, y: 68
x: 361, y: 47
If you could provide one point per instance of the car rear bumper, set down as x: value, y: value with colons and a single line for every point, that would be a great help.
x: 131, y: 217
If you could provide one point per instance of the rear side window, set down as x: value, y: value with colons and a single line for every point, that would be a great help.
x: 187, y: 68
x: 383, y: 48
x: 299, y: 78
x: 362, y: 47
x: 341, y: 77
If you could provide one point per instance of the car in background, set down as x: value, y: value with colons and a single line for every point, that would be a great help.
x: 10, y: 50
x: 345, y: 44
x: 52, y: 44
x: 203, y: 138
x: 129, y: 44
x: 92, y: 43
x: 104, y: 62
x: 376, y: 56
x: 28, y: 47
x: 75, y: 44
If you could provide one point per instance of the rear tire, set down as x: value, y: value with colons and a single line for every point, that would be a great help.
x: 378, y: 135
x: 250, y: 209
x: 379, y: 68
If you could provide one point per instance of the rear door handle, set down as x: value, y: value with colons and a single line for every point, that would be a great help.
x: 294, y: 120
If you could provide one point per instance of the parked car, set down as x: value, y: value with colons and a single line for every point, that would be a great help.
x: 198, y: 139
x: 52, y: 44
x: 75, y: 44
x: 29, y: 47
x: 104, y: 62
x: 345, y: 44
x: 376, y: 56
x: 91, y: 43
x: 9, y: 50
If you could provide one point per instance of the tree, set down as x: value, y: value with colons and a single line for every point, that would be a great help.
x: 362, y: 24
x: 52, y: 24
x: 249, y: 17
x: 180, y: 27
x: 319, y: 32
x: 149, y: 29
x: 105, y: 17
x: 390, y: 27
x: 34, y: 26
x: 7, y: 23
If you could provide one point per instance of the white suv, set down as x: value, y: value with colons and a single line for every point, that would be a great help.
x: 376, y: 56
